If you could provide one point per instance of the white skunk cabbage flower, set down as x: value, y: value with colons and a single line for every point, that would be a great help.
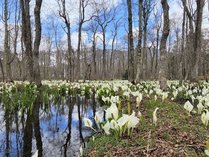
x: 114, y: 125
x: 175, y: 93
x: 35, y: 154
x: 155, y: 97
x: 88, y: 122
x: 139, y: 114
x: 155, y: 116
x: 81, y: 150
x: 164, y: 95
x: 193, y: 98
x: 97, y: 118
x: 205, y: 117
x: 138, y: 99
x: 207, y: 148
x: 107, y: 127
x: 127, y: 94
x: 207, y: 104
x: 122, y: 120
x: 114, y: 99
x: 188, y: 106
x: 206, y: 152
x: 93, y: 138
x: 200, y: 107
x: 132, y: 121
x: 112, y: 112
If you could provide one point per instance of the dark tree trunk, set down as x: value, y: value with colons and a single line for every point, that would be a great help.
x: 130, y: 43
x: 139, y: 46
x: 163, y: 49
x: 27, y: 39
x: 197, y: 40
x: 37, y: 12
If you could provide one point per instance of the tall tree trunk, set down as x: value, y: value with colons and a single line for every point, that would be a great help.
x: 139, y: 46
x: 130, y: 43
x: 190, y: 42
x: 63, y: 14
x: 157, y: 52
x: 163, y: 49
x: 27, y: 39
x: 37, y: 12
x: 182, y: 59
x: 104, y: 60
x: 79, y: 39
x: 112, y: 56
x: 6, y: 44
x: 94, y: 54
x: 197, y: 40
x: 145, y: 65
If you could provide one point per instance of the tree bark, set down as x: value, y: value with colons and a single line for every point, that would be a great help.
x: 63, y: 14
x: 197, y: 40
x: 6, y: 44
x: 130, y: 43
x: 139, y: 46
x: 163, y: 49
x: 27, y: 39
x: 37, y: 12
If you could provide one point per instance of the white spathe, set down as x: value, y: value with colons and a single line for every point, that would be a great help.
x: 88, y: 122
x: 138, y: 99
x: 112, y: 112
x: 107, y: 127
x: 200, y: 107
x: 36, y: 154
x: 205, y: 117
x: 155, y: 116
x: 188, y: 106
x: 132, y: 121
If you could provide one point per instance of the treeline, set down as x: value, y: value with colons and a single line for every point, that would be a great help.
x: 159, y: 47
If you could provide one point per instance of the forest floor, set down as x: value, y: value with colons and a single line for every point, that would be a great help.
x: 177, y: 134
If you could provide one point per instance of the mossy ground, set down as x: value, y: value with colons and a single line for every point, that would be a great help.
x: 176, y: 134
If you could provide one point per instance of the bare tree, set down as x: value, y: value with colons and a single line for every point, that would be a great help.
x: 7, y: 52
x: 37, y: 41
x: 147, y: 8
x: 82, y: 19
x: 158, y: 23
x: 64, y: 15
x: 163, y: 49
x: 93, y: 27
x: 32, y: 54
x: 104, y: 16
x: 130, y: 43
x: 116, y: 24
x: 139, y: 47
x: 197, y: 40
x: 27, y: 38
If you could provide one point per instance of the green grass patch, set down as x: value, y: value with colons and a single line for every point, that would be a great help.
x: 176, y: 134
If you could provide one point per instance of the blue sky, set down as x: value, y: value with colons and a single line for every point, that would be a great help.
x: 50, y: 13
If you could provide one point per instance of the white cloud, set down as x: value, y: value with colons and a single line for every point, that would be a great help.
x: 50, y: 8
x: 74, y: 39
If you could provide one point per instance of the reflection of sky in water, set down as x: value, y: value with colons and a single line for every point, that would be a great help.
x: 54, y: 131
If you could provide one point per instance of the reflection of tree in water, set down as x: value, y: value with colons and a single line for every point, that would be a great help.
x: 32, y: 123
x: 80, y: 119
x: 17, y: 135
x: 11, y: 115
x: 57, y: 119
x: 7, y: 122
x: 36, y: 125
x: 70, y: 103
x: 27, y: 138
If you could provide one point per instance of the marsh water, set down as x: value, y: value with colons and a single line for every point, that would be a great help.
x: 55, y: 129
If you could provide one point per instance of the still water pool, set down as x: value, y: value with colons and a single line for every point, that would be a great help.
x: 56, y: 129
